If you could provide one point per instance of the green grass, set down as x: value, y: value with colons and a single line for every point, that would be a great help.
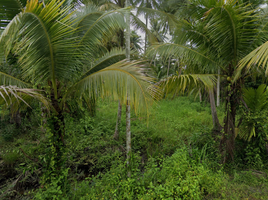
x: 171, y: 123
x: 172, y: 147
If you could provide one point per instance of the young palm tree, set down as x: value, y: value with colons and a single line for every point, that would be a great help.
x: 60, y: 51
x: 219, y: 33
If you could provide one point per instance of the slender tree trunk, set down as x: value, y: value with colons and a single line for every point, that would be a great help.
x: 128, y: 137
x: 128, y: 132
x: 200, y: 95
x: 216, y: 123
x: 233, y: 98
x: 118, y: 121
x: 128, y: 32
x: 146, y: 23
x: 227, y: 144
x: 218, y: 87
x: 57, y: 126
x: 168, y: 66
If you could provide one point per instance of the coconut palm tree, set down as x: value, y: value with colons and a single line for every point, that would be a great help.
x: 60, y: 52
x: 219, y: 33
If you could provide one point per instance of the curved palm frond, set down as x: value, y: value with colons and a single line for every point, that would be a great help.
x: 180, y: 51
x: 181, y: 82
x: 9, y: 9
x: 111, y: 57
x: 94, y: 28
x: 43, y: 41
x: 6, y: 79
x: 257, y: 57
x: 121, y: 80
x: 13, y: 95
x: 137, y: 24
x: 168, y: 18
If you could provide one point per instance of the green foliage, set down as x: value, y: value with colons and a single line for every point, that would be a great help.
x: 253, y: 129
x: 8, y: 132
x: 54, y: 179
x: 174, y: 155
x: 175, y: 177
x: 254, y: 157
x: 255, y: 113
x: 10, y: 158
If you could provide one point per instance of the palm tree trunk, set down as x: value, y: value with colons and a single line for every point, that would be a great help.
x: 128, y: 137
x: 58, y: 130
x: 216, y: 123
x: 128, y: 132
x: 227, y: 144
x: 168, y: 66
x: 118, y: 121
x: 218, y: 88
x: 200, y: 95
x: 146, y: 23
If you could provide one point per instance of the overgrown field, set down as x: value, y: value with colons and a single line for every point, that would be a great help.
x: 174, y: 156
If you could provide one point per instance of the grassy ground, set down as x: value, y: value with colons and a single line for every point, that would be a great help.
x: 174, y: 157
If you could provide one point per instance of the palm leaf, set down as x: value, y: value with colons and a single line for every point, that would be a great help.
x: 6, y: 79
x: 121, y: 80
x: 257, y: 57
x: 14, y: 96
x: 180, y: 51
x: 111, y: 57
x: 43, y: 32
x: 9, y: 9
x: 187, y: 82
x: 94, y: 27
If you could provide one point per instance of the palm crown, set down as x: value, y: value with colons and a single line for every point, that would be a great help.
x: 60, y: 50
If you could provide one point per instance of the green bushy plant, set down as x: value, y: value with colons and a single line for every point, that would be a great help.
x: 176, y: 177
x: 253, y: 130
x: 10, y: 158
x: 8, y: 132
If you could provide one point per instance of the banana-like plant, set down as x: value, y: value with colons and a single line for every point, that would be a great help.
x: 59, y: 51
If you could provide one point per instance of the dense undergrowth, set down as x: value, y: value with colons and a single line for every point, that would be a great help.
x: 174, y: 156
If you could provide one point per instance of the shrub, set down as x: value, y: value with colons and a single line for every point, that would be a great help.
x: 176, y: 177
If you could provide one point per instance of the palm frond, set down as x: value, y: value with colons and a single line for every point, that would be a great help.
x: 181, y: 51
x: 41, y: 33
x: 137, y: 24
x: 122, y: 80
x: 111, y: 57
x: 256, y: 100
x: 187, y: 82
x: 166, y: 18
x: 257, y: 57
x: 94, y: 27
x: 12, y: 95
x: 9, y: 9
x: 6, y: 79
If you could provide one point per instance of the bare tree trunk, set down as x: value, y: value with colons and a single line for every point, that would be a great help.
x: 200, y: 95
x: 227, y: 145
x: 216, y: 123
x: 146, y: 23
x: 168, y: 66
x: 218, y: 87
x: 118, y: 121
x: 128, y: 137
x: 128, y: 132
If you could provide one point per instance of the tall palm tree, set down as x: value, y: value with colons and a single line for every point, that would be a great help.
x: 219, y: 33
x: 60, y: 51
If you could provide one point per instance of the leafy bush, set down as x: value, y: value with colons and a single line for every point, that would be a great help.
x: 10, y: 157
x: 176, y: 177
